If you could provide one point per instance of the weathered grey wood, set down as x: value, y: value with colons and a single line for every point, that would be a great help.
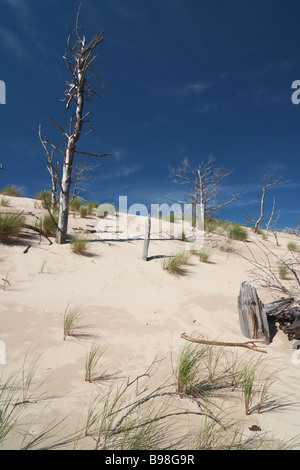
x: 252, y: 317
x: 147, y: 238
x: 293, y: 330
x: 275, y: 308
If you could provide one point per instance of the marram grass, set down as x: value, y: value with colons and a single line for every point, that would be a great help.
x: 174, y: 263
x: 79, y: 246
x: 10, y: 226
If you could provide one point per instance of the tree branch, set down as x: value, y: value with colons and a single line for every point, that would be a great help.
x: 247, y: 344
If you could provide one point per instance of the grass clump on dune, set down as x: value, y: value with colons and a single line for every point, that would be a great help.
x: 4, y: 202
x: 10, y: 226
x: 10, y: 191
x: 203, y: 256
x: 91, y: 207
x: 79, y: 246
x: 174, y: 264
x: 45, y: 198
x: 92, y: 362
x: 236, y: 232
x: 282, y: 270
x: 83, y: 212
x: 49, y: 225
x: 75, y: 205
x: 71, y: 320
x: 292, y: 246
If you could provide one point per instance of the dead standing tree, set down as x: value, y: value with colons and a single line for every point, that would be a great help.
x: 268, y: 181
x: 206, y: 183
x: 80, y: 59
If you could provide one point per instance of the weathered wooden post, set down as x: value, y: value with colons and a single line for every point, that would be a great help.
x: 252, y: 315
x: 147, y: 238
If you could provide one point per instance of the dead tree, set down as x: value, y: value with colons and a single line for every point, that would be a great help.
x: 205, y: 184
x: 268, y: 181
x: 80, y: 59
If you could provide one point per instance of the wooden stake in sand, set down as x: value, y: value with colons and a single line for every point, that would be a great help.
x: 147, y: 238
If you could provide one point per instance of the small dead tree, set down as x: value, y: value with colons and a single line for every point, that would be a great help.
x: 80, y: 59
x: 205, y: 185
x: 268, y: 181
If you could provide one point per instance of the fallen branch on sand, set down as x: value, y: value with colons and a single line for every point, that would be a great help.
x: 247, y: 344
x: 38, y: 230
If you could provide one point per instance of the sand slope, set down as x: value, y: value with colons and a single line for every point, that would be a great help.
x: 134, y: 308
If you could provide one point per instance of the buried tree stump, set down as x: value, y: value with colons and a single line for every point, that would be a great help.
x: 252, y: 316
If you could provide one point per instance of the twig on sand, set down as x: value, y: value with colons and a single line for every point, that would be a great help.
x: 247, y: 344
x: 38, y: 230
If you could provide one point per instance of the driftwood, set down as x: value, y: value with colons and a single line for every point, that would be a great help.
x: 252, y: 316
x: 289, y: 322
x: 274, y: 309
x: 85, y: 230
x: 247, y: 344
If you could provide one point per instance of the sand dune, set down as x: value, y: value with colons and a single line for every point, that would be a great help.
x: 134, y: 309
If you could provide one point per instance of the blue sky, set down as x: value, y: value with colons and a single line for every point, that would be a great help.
x: 187, y: 78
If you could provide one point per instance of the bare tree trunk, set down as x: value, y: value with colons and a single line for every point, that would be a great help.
x: 270, y: 181
x: 80, y: 59
x: 147, y: 238
x: 53, y: 195
x: 262, y: 204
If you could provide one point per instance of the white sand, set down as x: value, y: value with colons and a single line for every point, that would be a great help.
x: 135, y: 309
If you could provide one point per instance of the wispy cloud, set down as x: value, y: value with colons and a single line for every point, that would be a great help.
x: 188, y: 89
x: 23, y: 12
x: 19, y: 5
x: 121, y: 172
x: 10, y: 41
x: 118, y: 154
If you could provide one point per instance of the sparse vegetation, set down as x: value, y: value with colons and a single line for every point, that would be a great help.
x: 174, y: 263
x: 91, y: 207
x: 226, y: 247
x: 49, y: 224
x: 75, y: 205
x: 45, y: 198
x: 10, y: 226
x: 79, y: 246
x: 237, y: 232
x: 10, y: 191
x: 92, y: 363
x: 71, y: 321
x: 282, y: 270
x: 204, y: 256
x: 4, y: 202
x: 83, y: 212
x: 292, y: 246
